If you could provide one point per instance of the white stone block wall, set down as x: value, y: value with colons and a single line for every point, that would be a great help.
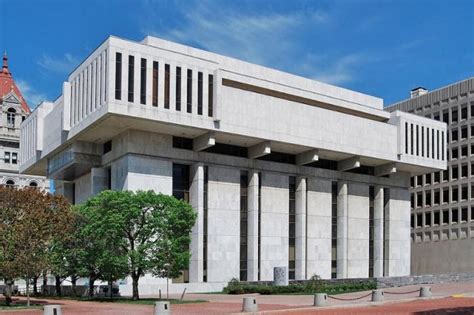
x: 319, y: 201
x: 223, y: 224
x: 274, y: 223
x: 358, y: 231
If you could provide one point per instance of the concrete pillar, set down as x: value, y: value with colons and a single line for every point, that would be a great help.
x: 397, y: 233
x: 358, y: 231
x: 274, y: 223
x: 318, y: 238
x: 252, y: 250
x: 99, y: 180
x: 342, y: 210
x: 65, y: 189
x: 378, y: 231
x: 196, y: 197
x: 300, y: 231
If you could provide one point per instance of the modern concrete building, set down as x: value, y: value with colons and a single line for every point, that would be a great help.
x: 13, y: 110
x: 442, y: 220
x: 281, y: 170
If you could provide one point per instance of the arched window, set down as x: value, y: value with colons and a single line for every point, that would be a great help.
x: 33, y: 184
x: 10, y: 182
x: 11, y: 112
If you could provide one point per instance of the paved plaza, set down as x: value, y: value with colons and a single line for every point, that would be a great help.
x: 450, y: 298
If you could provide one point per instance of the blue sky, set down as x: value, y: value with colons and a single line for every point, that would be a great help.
x: 379, y: 47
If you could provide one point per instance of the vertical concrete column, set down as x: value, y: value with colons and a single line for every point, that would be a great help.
x: 67, y: 105
x: 99, y: 180
x: 252, y: 252
x: 358, y: 231
x: 397, y: 233
x: 274, y: 224
x: 319, y: 222
x: 65, y: 189
x: 196, y: 195
x: 378, y: 231
x: 342, y: 211
x: 300, y: 232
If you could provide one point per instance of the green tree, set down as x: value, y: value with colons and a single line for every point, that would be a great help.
x: 148, y: 225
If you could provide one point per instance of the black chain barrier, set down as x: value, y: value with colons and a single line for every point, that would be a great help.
x: 350, y: 299
x: 408, y: 292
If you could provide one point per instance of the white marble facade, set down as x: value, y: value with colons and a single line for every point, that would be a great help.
x: 237, y: 120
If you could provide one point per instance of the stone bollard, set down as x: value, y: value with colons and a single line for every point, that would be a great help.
x: 250, y: 304
x: 320, y: 299
x: 280, y: 276
x: 425, y: 292
x: 52, y: 309
x: 162, y: 308
x: 377, y: 295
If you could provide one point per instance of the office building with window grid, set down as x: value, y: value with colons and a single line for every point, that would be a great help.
x: 282, y: 171
x: 442, y: 219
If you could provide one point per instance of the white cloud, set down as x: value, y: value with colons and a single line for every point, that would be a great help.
x: 32, y: 97
x: 259, y: 38
x: 271, y: 39
x: 63, y: 65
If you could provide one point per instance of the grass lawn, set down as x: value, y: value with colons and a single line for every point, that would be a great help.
x: 127, y: 300
x: 19, y: 306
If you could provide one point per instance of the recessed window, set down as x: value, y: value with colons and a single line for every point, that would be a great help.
x: 428, y: 198
x: 454, y: 153
x: 118, y: 76
x: 154, y: 96
x: 464, y: 132
x: 436, y: 116
x: 14, y: 158
x: 107, y: 147
x: 427, y: 218
x: 464, y: 112
x: 437, y: 176
x: 464, y: 151
x: 131, y: 76
x: 210, y: 96
x: 464, y: 192
x: 454, y: 194
x: 446, y: 116
x: 454, y: 135
x: 11, y: 112
x: 464, y: 171
x: 445, y: 195
x: 167, y: 86
x: 33, y: 184
x: 419, y: 220
x: 454, y: 216
x: 437, y: 197
x: 445, y: 216
x: 464, y: 214
x: 419, y: 180
x: 7, y: 157
x: 189, y: 91
x: 454, y: 115
x: 436, y: 217
x: 143, y: 81
x: 178, y: 89
x: 412, y: 181
x: 412, y: 221
x: 428, y: 179
x: 445, y: 175
x: 200, y: 95
x: 454, y: 172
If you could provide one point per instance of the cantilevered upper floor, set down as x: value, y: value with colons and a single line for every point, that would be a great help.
x: 163, y: 87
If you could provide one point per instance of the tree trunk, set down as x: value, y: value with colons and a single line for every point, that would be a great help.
x: 45, y: 284
x: 91, y: 287
x: 135, y: 279
x: 110, y: 288
x: 27, y: 292
x: 73, y: 283
x: 35, y: 285
x: 8, y: 292
x: 58, y: 286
